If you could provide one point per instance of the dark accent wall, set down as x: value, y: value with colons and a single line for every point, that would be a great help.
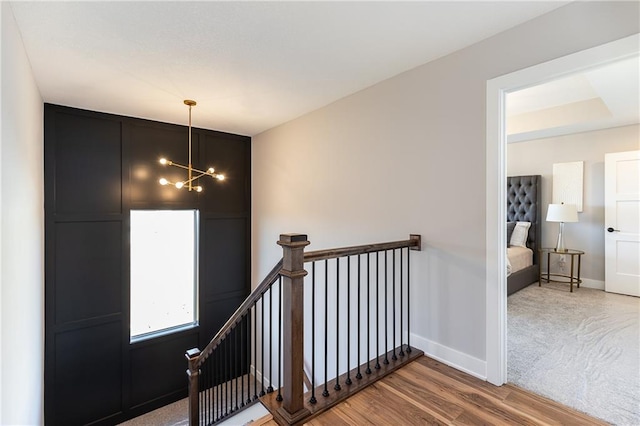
x: 97, y: 168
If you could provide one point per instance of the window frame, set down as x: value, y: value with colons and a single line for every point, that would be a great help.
x: 196, y: 280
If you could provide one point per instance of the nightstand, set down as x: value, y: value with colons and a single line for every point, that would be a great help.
x: 574, y: 274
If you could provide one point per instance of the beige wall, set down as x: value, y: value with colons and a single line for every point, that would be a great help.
x: 21, y: 235
x: 408, y: 156
x: 538, y: 156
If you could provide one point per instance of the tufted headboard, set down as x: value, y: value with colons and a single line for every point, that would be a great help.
x: 524, y: 205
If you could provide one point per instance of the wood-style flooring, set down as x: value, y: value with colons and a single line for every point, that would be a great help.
x: 427, y: 392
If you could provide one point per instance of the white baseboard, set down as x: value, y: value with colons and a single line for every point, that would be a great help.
x: 453, y: 358
x: 589, y: 283
x: 258, y: 375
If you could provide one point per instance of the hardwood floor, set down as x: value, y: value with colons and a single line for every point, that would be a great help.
x: 429, y: 392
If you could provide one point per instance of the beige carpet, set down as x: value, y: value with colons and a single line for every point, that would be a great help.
x: 170, y: 415
x: 581, y: 349
x: 176, y: 415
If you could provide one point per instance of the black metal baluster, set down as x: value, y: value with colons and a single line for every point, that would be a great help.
x: 325, y: 392
x: 255, y: 350
x: 368, y: 370
x: 205, y: 409
x: 270, y: 388
x: 220, y: 381
x: 243, y: 336
x: 337, y: 385
x: 408, y: 302
x: 386, y: 308
x: 228, y: 382
x: 202, y: 390
x: 220, y: 378
x: 205, y: 395
x: 247, y: 354
x: 377, y: 310
x: 393, y: 305
x: 236, y: 361
x: 223, y: 383
x: 401, y: 301
x: 348, y: 380
x: 227, y: 378
x: 359, y: 374
x: 313, y: 399
x: 211, y: 404
x: 229, y: 372
x: 214, y: 403
x: 226, y: 372
x: 262, y: 393
x: 216, y: 380
x: 208, y: 415
x: 279, y: 397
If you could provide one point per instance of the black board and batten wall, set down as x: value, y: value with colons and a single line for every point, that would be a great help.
x: 97, y: 168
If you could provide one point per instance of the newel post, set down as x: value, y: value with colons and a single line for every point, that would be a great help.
x: 194, y: 373
x: 293, y: 274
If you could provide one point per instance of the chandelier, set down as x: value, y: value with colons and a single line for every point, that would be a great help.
x: 192, y: 174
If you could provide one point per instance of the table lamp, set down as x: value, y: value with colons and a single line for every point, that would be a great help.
x: 562, y: 213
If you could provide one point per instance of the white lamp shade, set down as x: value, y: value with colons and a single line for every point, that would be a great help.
x: 562, y: 213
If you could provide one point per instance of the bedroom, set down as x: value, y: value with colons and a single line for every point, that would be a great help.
x: 536, y: 155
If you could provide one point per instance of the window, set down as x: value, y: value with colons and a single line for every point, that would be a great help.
x: 164, y: 271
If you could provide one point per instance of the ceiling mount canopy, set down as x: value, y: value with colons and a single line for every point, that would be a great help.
x: 192, y: 174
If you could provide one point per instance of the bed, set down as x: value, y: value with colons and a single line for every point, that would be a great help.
x: 524, y: 205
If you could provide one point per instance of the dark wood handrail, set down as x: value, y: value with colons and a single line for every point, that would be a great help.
x: 312, y: 256
x: 242, y: 309
x: 413, y: 242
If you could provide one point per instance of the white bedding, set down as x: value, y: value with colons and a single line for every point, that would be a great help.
x: 518, y: 258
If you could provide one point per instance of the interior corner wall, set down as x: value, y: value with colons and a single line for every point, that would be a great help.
x: 538, y: 157
x: 408, y: 156
x: 21, y: 234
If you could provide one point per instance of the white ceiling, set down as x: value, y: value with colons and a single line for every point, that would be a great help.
x: 249, y: 65
x: 602, y: 97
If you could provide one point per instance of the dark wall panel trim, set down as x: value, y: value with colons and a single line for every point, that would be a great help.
x: 123, y: 151
x: 87, y: 322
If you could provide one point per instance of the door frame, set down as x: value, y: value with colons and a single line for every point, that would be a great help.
x: 497, y: 88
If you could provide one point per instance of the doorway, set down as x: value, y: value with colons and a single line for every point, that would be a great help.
x: 496, y: 174
x: 579, y: 348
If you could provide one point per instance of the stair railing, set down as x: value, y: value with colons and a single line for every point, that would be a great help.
x: 236, y: 368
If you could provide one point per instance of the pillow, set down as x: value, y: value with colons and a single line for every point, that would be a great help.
x: 520, y: 234
x: 510, y: 227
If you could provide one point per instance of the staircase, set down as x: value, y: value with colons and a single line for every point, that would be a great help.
x: 320, y: 327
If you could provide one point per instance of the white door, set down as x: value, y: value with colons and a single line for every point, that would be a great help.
x: 622, y: 222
